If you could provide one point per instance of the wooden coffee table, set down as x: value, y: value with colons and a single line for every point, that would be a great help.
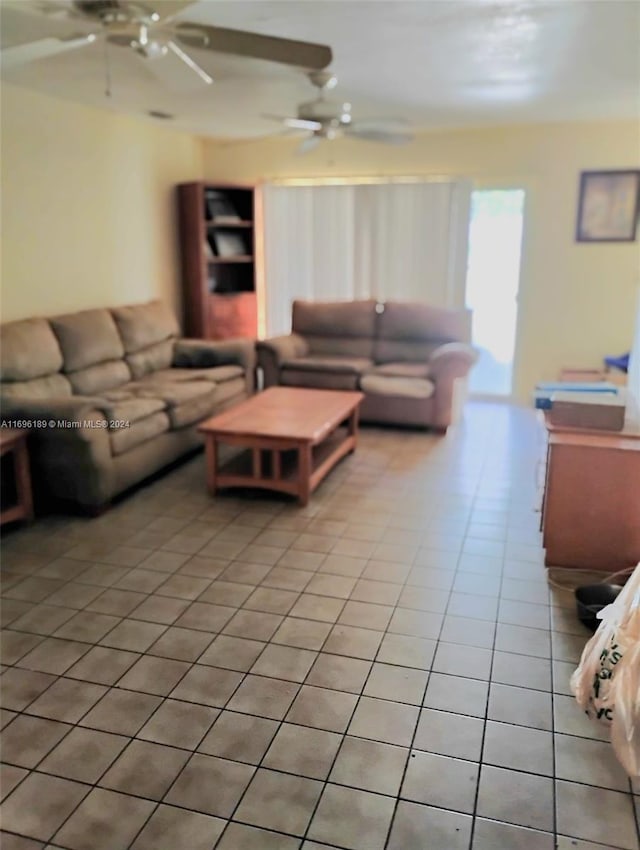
x: 292, y: 439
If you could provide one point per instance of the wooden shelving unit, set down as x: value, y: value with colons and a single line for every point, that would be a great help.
x: 218, y: 259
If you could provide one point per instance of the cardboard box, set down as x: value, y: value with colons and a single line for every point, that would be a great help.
x: 594, y: 411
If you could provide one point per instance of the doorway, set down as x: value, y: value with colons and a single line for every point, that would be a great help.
x: 493, y: 279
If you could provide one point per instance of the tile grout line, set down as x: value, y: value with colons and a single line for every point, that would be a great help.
x: 270, y: 641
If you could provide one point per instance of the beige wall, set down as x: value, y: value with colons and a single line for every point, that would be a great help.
x: 576, y: 300
x: 88, y: 210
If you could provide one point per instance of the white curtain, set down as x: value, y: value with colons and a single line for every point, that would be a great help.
x: 403, y: 241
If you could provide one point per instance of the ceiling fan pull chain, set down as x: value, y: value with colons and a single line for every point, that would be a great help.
x: 107, y: 68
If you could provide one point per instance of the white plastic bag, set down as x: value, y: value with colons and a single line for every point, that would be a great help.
x: 625, y: 726
x: 606, y: 683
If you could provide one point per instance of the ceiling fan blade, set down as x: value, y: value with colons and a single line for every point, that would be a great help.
x: 51, y: 8
x: 293, y: 123
x: 21, y: 54
x: 168, y: 9
x: 300, y: 54
x: 308, y: 144
x: 302, y: 124
x: 189, y: 62
x: 384, y: 136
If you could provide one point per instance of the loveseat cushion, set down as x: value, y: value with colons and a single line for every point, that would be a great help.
x: 336, y: 327
x: 28, y: 349
x: 397, y: 387
x: 143, y: 325
x: 401, y: 370
x: 412, y: 331
x: 320, y: 380
x: 87, y: 338
x: 349, y: 365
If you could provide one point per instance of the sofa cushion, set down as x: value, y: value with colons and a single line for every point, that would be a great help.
x: 217, y: 374
x: 143, y: 325
x: 319, y: 380
x: 229, y: 389
x: 131, y: 409
x: 28, y: 349
x: 350, y: 365
x: 87, y: 338
x: 334, y: 318
x: 49, y: 386
x: 336, y: 327
x: 397, y: 386
x: 103, y: 376
x: 124, y: 439
x: 411, y: 331
x: 186, y: 402
x: 151, y: 359
x: 401, y: 370
x: 410, y: 320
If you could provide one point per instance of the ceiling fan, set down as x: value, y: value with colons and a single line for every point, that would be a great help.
x: 151, y: 31
x: 323, y: 119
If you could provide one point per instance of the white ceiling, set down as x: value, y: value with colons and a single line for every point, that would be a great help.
x: 437, y: 63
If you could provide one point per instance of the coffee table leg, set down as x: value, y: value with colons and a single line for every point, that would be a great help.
x: 352, y: 427
x: 211, y: 450
x: 304, y: 473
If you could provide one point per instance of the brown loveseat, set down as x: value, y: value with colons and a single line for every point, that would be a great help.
x: 408, y: 359
x: 113, y: 395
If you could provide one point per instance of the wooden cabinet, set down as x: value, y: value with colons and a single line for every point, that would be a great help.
x: 591, y: 510
x: 217, y: 244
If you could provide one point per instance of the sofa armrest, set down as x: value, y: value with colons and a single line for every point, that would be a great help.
x: 452, y: 360
x: 80, y: 415
x: 70, y: 447
x: 272, y: 352
x: 448, y: 364
x: 203, y: 354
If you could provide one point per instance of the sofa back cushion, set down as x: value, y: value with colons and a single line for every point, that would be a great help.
x: 92, y: 350
x: 147, y: 332
x: 103, y: 376
x: 336, y: 327
x: 411, y: 331
x: 87, y: 338
x: 144, y: 325
x: 28, y: 350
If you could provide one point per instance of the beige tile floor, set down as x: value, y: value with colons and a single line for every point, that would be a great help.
x: 383, y: 669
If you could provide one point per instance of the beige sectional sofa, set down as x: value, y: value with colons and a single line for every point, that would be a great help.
x: 409, y: 359
x: 113, y: 395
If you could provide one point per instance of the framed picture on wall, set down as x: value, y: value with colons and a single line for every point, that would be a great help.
x: 608, y: 206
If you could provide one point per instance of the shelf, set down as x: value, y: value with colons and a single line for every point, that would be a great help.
x: 241, y: 258
x: 228, y: 225
x: 216, y: 287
